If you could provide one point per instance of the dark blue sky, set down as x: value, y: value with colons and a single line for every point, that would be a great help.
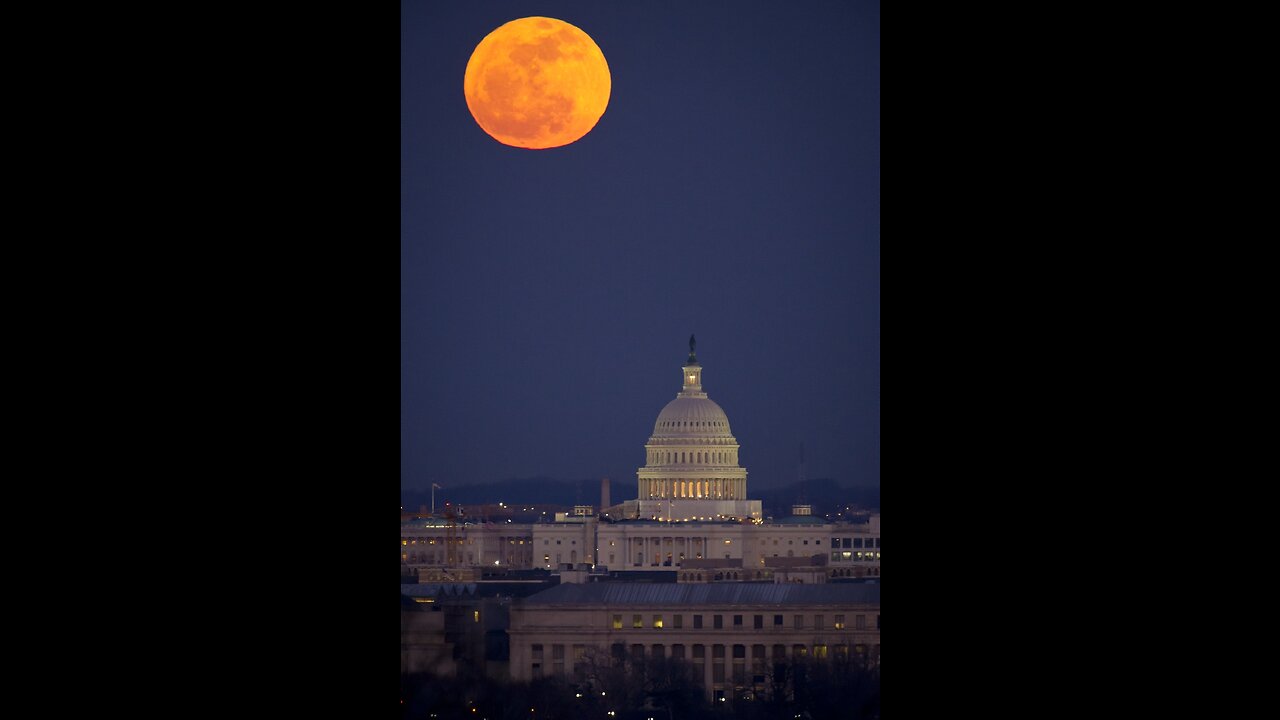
x: 731, y: 190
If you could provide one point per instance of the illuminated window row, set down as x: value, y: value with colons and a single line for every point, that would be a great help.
x: 757, y: 622
x: 850, y: 555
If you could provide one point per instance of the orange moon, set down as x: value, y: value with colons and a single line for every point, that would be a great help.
x: 537, y: 83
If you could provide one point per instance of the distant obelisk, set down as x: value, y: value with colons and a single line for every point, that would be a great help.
x: 604, y: 493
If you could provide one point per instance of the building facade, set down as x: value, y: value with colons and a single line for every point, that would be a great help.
x: 852, y: 550
x: 732, y: 636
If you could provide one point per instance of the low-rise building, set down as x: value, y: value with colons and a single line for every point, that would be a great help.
x: 732, y: 635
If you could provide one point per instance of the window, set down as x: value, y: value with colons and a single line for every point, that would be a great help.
x: 857, y: 542
x: 835, y: 543
x: 861, y: 622
x: 820, y: 652
x: 835, y: 556
x: 657, y: 622
x: 840, y: 622
x: 817, y: 622
x: 737, y: 622
x: 617, y: 622
x: 476, y: 614
x: 759, y: 622
x: 799, y: 619
x: 637, y: 622
x: 697, y: 622
x: 877, y: 622
x: 677, y: 621
x: 719, y: 624
x: 846, y: 543
x: 777, y: 621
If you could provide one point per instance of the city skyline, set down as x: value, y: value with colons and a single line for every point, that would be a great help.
x: 730, y: 190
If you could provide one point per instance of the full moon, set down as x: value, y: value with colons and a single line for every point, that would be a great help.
x: 537, y: 83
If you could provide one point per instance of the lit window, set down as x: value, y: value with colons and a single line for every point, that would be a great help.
x: 657, y: 622
x: 476, y: 614
x: 637, y: 622
x: 617, y: 622
x: 840, y: 622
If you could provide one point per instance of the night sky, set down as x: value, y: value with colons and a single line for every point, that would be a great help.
x: 731, y: 190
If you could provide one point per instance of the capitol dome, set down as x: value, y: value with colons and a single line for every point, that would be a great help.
x: 699, y: 416
x: 691, y: 469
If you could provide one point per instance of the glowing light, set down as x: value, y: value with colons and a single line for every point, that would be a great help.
x: 537, y: 83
